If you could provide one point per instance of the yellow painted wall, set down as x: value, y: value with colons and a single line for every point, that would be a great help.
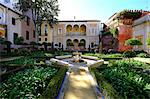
x: 49, y: 34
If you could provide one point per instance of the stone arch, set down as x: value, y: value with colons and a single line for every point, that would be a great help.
x: 82, y: 42
x: 75, y: 41
x: 83, y: 29
x: 68, y: 42
x: 76, y: 28
x: 69, y: 28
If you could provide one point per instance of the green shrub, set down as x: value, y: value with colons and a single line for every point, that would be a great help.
x: 129, y: 54
x: 29, y: 83
x: 54, y: 85
x: 105, y: 87
x: 127, y: 78
x: 21, y: 61
x: 143, y: 55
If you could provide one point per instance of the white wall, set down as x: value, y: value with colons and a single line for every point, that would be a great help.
x: 11, y: 29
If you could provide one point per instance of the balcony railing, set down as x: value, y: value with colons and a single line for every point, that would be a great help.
x: 76, y: 34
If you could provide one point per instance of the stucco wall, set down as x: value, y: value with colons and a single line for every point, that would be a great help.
x: 11, y: 29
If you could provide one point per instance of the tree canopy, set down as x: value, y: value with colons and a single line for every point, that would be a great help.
x: 127, y: 14
x: 41, y: 9
x: 148, y: 41
x: 19, y: 40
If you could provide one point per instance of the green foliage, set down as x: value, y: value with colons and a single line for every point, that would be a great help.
x: 24, y: 52
x: 129, y: 54
x: 104, y: 55
x: 133, y: 42
x: 2, y: 40
x: 129, y: 15
x: 43, y: 9
x: 29, y: 83
x: 33, y: 43
x: 114, y: 31
x: 105, y: 87
x: 21, y: 61
x: 107, y: 33
x: 19, y: 40
x: 42, y: 54
x: 54, y: 85
x: 148, y: 41
x: 127, y: 78
x: 143, y: 55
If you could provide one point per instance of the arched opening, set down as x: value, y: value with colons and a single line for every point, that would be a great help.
x: 75, y: 28
x: 82, y: 42
x: 76, y: 43
x: 68, y: 42
x: 69, y: 28
x: 83, y: 29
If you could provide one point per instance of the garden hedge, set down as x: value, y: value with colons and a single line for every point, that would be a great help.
x: 105, y: 87
x: 54, y: 85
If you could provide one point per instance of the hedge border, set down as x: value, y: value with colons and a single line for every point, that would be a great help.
x: 54, y: 85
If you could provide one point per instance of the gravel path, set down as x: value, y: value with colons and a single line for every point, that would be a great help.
x: 79, y: 85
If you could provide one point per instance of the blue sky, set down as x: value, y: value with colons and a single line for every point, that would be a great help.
x: 97, y: 9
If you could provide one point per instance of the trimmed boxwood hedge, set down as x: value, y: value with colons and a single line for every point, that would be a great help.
x: 105, y: 87
x: 54, y: 85
x: 126, y: 77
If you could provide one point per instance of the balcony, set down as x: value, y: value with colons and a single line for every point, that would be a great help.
x: 76, y: 34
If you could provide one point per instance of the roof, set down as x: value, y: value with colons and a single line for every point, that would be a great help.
x: 141, y: 20
x: 79, y: 21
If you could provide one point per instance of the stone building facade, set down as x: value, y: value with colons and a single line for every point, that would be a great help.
x: 78, y: 35
x: 13, y: 26
x: 125, y: 27
x: 141, y: 28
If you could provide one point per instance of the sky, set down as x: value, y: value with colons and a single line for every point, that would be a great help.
x: 97, y: 9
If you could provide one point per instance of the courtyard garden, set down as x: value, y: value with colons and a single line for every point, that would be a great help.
x: 30, y: 76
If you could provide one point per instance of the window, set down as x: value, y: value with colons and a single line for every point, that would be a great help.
x: 13, y: 21
x: 33, y: 33
x: 45, y: 39
x: 39, y: 39
x: 92, y: 30
x: 59, y: 31
x: 28, y: 21
x: 15, y: 37
x: 95, y: 32
x: 46, y: 30
x: 27, y: 35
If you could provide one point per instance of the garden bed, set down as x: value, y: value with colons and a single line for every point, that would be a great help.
x: 32, y: 82
x: 124, y: 78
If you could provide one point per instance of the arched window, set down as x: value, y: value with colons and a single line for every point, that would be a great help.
x: 75, y: 28
x: 83, y: 28
x: 68, y: 28
x: 68, y: 42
